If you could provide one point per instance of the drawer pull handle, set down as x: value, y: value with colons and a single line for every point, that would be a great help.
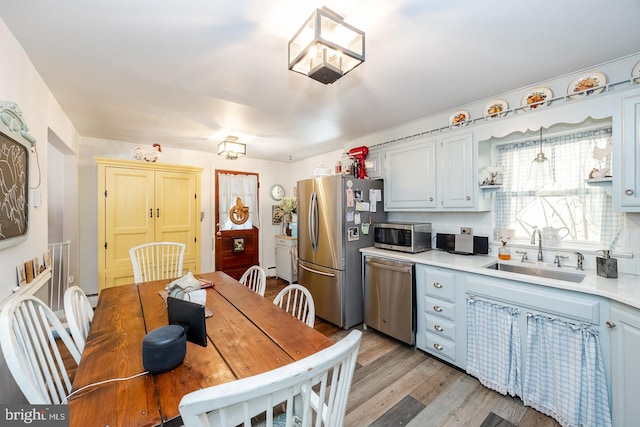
x: 437, y: 308
x: 438, y: 328
x: 467, y: 198
x: 610, y: 324
x: 437, y: 346
x: 437, y: 284
x: 628, y: 192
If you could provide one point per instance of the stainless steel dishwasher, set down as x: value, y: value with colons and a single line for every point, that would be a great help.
x: 389, y: 295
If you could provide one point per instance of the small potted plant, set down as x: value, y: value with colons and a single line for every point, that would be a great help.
x: 289, y: 206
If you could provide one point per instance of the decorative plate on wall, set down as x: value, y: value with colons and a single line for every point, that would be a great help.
x: 635, y: 73
x: 537, y: 98
x: 459, y: 118
x: 496, y: 108
x: 587, y: 84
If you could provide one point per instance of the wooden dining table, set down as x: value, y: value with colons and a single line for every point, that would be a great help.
x: 247, y: 335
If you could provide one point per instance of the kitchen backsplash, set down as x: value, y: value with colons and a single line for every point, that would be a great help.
x: 482, y: 224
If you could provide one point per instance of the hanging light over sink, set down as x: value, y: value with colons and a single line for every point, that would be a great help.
x: 540, y: 168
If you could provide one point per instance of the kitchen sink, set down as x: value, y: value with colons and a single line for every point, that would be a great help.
x: 538, y: 271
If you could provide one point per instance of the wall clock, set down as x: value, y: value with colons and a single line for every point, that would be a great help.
x: 276, y: 192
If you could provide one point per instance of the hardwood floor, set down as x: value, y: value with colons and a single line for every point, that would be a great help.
x: 397, y: 385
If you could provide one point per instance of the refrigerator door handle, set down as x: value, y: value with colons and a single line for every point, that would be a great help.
x: 313, y: 221
x: 316, y: 271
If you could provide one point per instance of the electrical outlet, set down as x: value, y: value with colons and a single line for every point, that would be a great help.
x: 466, y: 230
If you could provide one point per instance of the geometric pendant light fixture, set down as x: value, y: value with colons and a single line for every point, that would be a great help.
x: 326, y: 48
x: 231, y: 148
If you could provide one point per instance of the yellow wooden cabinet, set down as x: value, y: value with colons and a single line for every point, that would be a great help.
x: 140, y: 203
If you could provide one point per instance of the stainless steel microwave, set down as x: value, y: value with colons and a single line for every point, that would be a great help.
x: 405, y: 237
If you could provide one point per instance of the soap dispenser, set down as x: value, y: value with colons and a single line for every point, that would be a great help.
x: 504, y: 252
x: 607, y: 266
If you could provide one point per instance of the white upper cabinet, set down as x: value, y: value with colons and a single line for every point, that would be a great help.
x: 626, y: 154
x: 410, y: 176
x: 435, y: 173
x: 458, y: 186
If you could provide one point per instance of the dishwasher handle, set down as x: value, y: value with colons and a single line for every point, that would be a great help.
x: 405, y: 269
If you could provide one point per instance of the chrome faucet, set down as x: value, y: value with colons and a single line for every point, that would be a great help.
x: 558, y: 260
x: 533, y: 241
x: 524, y: 255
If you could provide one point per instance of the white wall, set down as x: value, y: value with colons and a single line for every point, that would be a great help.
x: 20, y: 83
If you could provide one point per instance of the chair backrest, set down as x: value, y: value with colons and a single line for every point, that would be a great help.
x: 79, y: 313
x: 314, y: 389
x: 157, y: 260
x: 28, y: 331
x: 255, y: 278
x: 297, y: 300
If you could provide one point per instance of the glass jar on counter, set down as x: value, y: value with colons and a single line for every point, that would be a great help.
x: 504, y: 252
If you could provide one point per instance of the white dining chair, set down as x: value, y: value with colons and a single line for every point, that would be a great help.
x: 157, y: 260
x: 29, y: 330
x: 312, y: 389
x: 297, y: 300
x: 79, y: 313
x: 255, y: 278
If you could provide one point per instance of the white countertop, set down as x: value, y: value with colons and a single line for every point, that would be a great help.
x: 284, y: 236
x: 624, y: 289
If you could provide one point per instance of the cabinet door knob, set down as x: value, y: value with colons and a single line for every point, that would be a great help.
x: 431, y: 199
x: 437, y: 346
x: 610, y: 324
x: 628, y: 192
x: 438, y: 328
x: 437, y: 285
x: 467, y: 198
x: 437, y: 308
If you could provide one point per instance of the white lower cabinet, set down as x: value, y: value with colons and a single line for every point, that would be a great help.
x: 562, y: 334
x: 436, y: 330
x: 285, y: 259
x: 442, y: 330
x: 624, y: 322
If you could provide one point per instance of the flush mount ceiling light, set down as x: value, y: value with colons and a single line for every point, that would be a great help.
x: 326, y: 48
x: 231, y: 148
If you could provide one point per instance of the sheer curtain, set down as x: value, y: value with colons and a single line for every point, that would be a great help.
x: 566, y: 200
x: 232, y: 186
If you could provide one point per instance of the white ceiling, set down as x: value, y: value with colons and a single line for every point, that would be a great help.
x: 187, y: 73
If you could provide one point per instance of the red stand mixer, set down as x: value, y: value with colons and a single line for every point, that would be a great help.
x: 359, y: 155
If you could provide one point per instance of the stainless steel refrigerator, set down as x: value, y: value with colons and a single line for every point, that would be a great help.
x: 334, y: 216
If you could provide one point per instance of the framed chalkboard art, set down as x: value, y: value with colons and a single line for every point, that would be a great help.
x: 15, y: 145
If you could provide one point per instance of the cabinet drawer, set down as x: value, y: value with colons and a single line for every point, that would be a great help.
x: 441, y: 347
x: 439, y: 308
x: 440, y: 284
x: 445, y: 328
